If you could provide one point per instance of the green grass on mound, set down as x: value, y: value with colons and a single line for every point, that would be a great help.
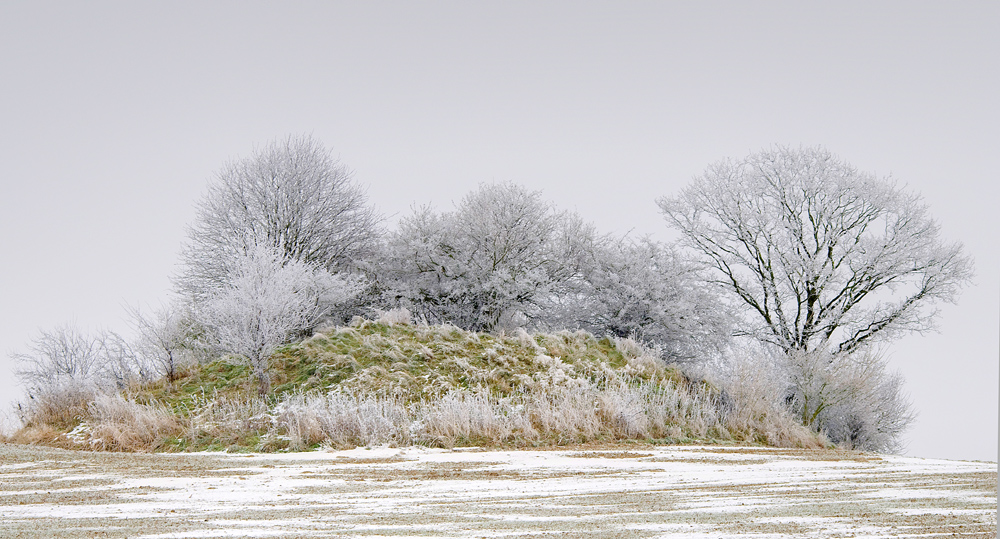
x: 419, y: 362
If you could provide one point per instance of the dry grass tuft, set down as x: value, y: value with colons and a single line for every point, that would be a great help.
x: 60, y: 406
x: 342, y: 420
x: 117, y: 424
x: 42, y: 434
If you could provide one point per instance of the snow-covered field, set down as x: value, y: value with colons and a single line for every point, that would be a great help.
x: 639, y: 491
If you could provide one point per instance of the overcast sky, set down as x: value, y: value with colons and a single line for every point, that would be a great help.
x: 114, y: 116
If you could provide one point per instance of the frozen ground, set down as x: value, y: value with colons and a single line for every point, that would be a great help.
x: 639, y: 491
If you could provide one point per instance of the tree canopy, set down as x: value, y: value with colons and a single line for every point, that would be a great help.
x: 822, y: 255
x: 291, y: 195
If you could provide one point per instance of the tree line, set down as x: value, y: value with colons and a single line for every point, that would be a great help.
x: 794, y: 266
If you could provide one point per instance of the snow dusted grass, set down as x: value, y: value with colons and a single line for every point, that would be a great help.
x: 396, y: 383
x: 596, y: 491
x: 124, y: 425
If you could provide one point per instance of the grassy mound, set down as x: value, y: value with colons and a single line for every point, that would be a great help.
x: 378, y: 383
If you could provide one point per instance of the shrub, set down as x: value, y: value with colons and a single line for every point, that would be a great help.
x: 61, y: 405
x: 753, y: 400
x: 866, y: 407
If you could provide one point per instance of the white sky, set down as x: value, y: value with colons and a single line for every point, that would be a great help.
x: 113, y: 116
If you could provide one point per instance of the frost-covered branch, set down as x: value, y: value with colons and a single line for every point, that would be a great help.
x: 291, y: 195
x: 823, y: 255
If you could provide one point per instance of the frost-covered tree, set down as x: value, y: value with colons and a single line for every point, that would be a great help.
x: 125, y: 364
x: 647, y: 290
x: 267, y: 300
x: 506, y: 258
x: 291, y: 195
x: 163, y: 336
x: 852, y: 398
x: 822, y: 255
x: 67, y: 355
x: 62, y: 355
x: 64, y: 368
x: 487, y: 265
x: 827, y: 261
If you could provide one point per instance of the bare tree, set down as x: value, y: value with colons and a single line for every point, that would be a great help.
x: 269, y: 299
x: 824, y: 256
x: 65, y: 368
x: 291, y: 195
x: 62, y: 355
x: 163, y: 336
x: 124, y: 363
x: 828, y: 261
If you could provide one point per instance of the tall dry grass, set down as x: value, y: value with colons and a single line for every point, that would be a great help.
x: 555, y: 415
x: 342, y: 420
x: 59, y: 405
x: 119, y: 424
x: 220, y: 422
x: 560, y: 415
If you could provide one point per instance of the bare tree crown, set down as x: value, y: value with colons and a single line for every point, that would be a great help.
x: 291, y: 195
x: 822, y: 254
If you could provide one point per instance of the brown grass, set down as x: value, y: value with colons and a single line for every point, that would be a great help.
x: 118, y: 424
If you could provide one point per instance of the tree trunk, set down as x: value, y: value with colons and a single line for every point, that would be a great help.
x: 264, y: 383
